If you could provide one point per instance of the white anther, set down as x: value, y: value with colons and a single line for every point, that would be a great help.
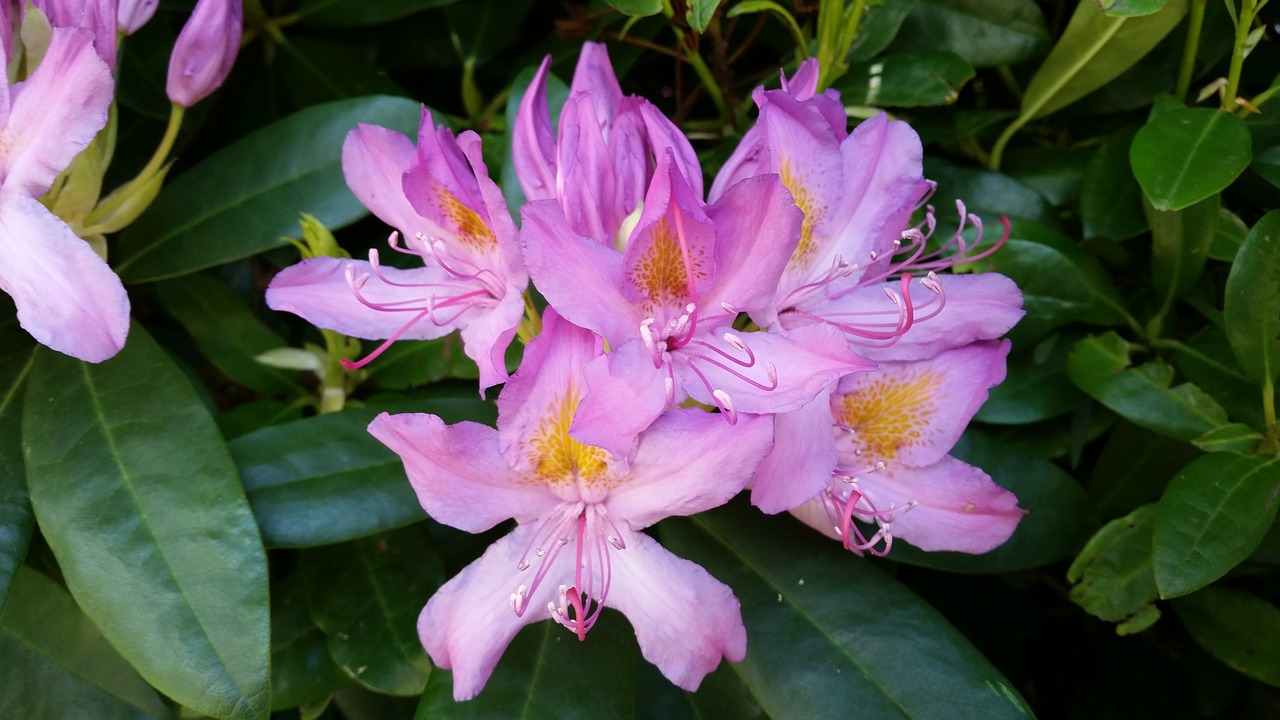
x: 728, y: 308
x: 772, y: 371
x: 735, y: 341
x: 522, y: 565
x: 616, y: 541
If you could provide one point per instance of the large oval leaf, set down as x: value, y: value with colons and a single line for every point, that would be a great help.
x: 302, y: 674
x: 1213, y: 514
x: 984, y: 32
x: 1110, y: 198
x: 1240, y: 629
x: 824, y: 627
x: 1113, y: 576
x: 244, y: 198
x: 1185, y: 155
x: 1179, y: 245
x: 1251, y: 309
x: 136, y: 494
x: 17, y: 354
x: 55, y: 664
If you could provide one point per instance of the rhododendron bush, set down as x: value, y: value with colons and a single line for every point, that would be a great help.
x: 626, y: 359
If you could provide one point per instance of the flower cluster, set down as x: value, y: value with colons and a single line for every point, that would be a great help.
x: 791, y: 334
x: 55, y: 110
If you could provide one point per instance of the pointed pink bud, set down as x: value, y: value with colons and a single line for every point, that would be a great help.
x: 133, y: 14
x: 205, y: 51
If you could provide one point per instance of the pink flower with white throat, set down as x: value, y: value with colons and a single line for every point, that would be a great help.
x: 578, y: 546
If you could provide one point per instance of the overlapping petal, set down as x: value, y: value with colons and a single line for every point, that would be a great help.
x: 802, y: 459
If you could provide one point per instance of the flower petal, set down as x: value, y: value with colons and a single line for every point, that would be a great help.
x: 802, y: 459
x: 533, y: 143
x: 960, y: 509
x: 587, y: 184
x: 684, y: 619
x: 67, y: 297
x: 757, y: 228
x: 469, y: 622
x: 458, y: 473
x: 689, y: 460
x: 486, y: 336
x: 625, y: 378
x: 374, y: 161
x: 594, y: 76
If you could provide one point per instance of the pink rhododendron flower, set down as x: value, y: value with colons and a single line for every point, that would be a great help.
x: 578, y: 546
x: 66, y: 296
x: 204, y: 51
x: 453, y: 217
x: 96, y: 16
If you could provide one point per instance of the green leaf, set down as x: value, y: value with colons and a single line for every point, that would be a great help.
x: 547, y: 673
x: 907, y: 80
x: 244, y: 198
x: 988, y: 194
x: 1228, y: 236
x: 483, y: 28
x: 352, y: 13
x: 138, y: 498
x: 1180, y: 245
x: 1134, y: 467
x: 723, y: 694
x: 1036, y: 386
x: 1100, y: 366
x: 316, y: 70
x: 1053, y: 172
x: 1240, y: 629
x: 1131, y: 8
x: 1093, y: 50
x: 1212, y: 149
x: 1235, y: 437
x: 366, y: 595
x: 1113, y: 574
x: 700, y: 13
x: 55, y: 664
x: 636, y: 8
x: 17, y: 355
x: 879, y: 28
x: 806, y: 631
x: 1213, y: 514
x: 227, y: 333
x: 984, y: 32
x: 1207, y: 360
x: 302, y: 674
x: 1251, y: 308
x: 1110, y: 197
x: 1267, y: 164
x: 410, y: 363
x: 1060, y: 515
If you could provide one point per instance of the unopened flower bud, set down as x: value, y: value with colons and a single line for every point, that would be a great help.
x: 205, y: 51
x: 133, y: 14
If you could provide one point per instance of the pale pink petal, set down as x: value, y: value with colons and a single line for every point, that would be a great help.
x: 487, y: 333
x: 67, y: 297
x: 133, y: 14
x: 960, y: 509
x: 533, y: 143
x: 204, y: 51
x: 587, y: 184
x: 804, y: 83
x: 458, y: 473
x: 469, y: 622
x: 802, y: 459
x: 580, y: 277
x: 440, y: 154
x: 499, y: 216
x: 594, y: 76
x: 374, y: 161
x: 685, y: 620
x: 317, y: 290
x: 688, y: 461
x: 633, y: 161
x: 664, y: 136
x: 912, y: 413
x: 816, y: 514
x: 757, y: 228
x: 55, y: 112
x: 625, y: 394
x: 749, y: 159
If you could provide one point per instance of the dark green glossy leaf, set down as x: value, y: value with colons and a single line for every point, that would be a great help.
x: 547, y: 673
x: 242, y: 199
x: 138, y: 498
x: 302, y: 674
x: 1060, y: 515
x: 984, y: 32
x: 1251, y: 308
x: 227, y: 333
x: 1235, y: 437
x: 700, y: 13
x: 1036, y: 386
x: 366, y: 595
x: 636, y: 8
x: 1240, y: 629
x: 1180, y: 245
x: 319, y: 70
x: 1213, y: 514
x: 255, y: 415
x: 1134, y: 467
x: 1131, y: 8
x: 349, y: 13
x: 410, y: 363
x: 989, y: 194
x: 482, y: 28
x: 1267, y: 164
x: 1093, y: 50
x: 1228, y: 236
x: 907, y: 80
x: 1110, y: 197
x: 723, y: 694
x: 879, y: 27
x: 796, y: 587
x: 1207, y: 360
x: 1100, y: 367
x: 1213, y: 148
x: 55, y: 664
x: 1055, y: 173
x: 1113, y: 574
x: 17, y: 354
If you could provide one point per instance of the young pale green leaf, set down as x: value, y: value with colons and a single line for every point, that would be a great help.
x: 366, y: 595
x: 244, y: 198
x: 1180, y: 245
x: 1251, y: 308
x: 1110, y: 197
x: 984, y: 32
x: 816, y: 652
x: 906, y: 80
x: 1239, y: 628
x: 1113, y: 575
x: 1213, y: 514
x: 137, y: 496
x: 1236, y: 437
x: 700, y: 13
x: 353, y: 13
x: 1100, y: 366
x: 1093, y: 50
x: 55, y: 664
x: 1060, y: 515
x: 1131, y: 8
x: 227, y: 333
x: 1212, y: 149
x: 17, y: 355
x: 547, y: 673
x: 302, y: 674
